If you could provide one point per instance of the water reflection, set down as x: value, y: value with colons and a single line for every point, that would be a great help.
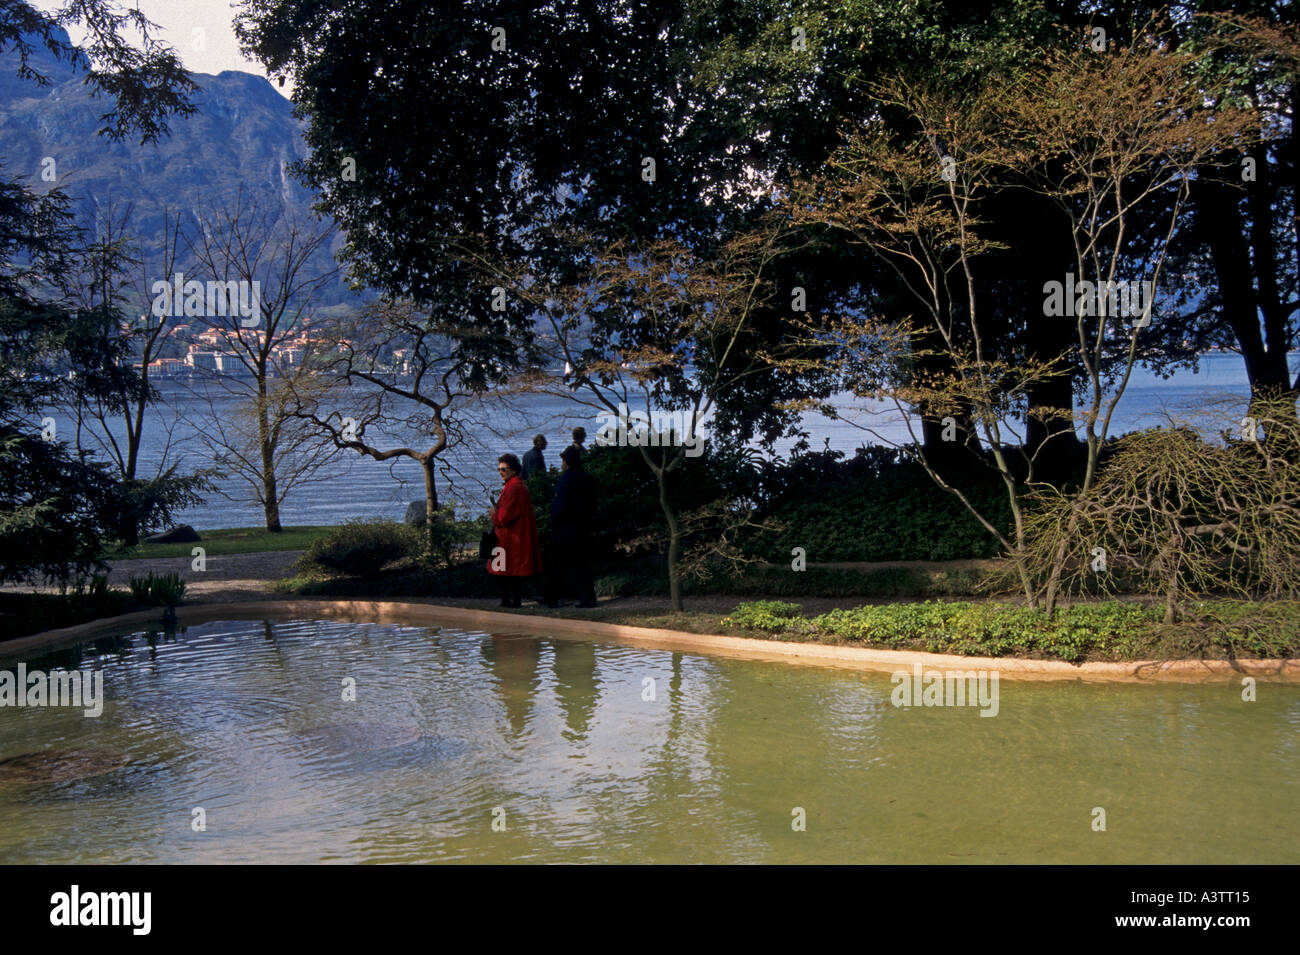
x: 577, y: 685
x: 602, y: 752
x: 513, y: 662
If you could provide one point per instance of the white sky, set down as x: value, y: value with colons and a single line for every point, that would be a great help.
x: 210, y: 50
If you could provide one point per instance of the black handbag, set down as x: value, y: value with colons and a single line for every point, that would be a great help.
x: 486, y: 545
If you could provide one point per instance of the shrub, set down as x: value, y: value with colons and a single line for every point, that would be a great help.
x: 973, y: 629
x: 769, y: 616
x: 158, y: 590
x: 875, y: 506
x: 440, y: 542
x: 361, y: 548
x: 24, y: 613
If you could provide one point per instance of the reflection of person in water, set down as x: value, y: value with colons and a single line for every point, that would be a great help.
x: 576, y: 685
x: 513, y: 662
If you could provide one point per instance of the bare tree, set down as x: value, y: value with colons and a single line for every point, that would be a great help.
x: 115, y: 281
x: 405, y: 366
x: 262, y: 252
x: 116, y: 399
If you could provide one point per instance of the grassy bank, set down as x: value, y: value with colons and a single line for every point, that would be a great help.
x: 234, y: 540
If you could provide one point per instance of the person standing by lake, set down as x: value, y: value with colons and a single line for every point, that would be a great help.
x: 517, y: 554
x: 579, y: 436
x: 533, y: 460
x: 573, y: 518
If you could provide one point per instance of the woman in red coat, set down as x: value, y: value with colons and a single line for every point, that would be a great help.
x: 517, y: 554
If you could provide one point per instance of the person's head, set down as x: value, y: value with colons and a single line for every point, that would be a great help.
x: 507, y: 466
x: 579, y: 436
x: 571, y: 458
x: 539, y: 442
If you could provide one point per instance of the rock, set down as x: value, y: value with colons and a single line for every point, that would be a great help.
x: 415, y: 512
x: 184, y: 534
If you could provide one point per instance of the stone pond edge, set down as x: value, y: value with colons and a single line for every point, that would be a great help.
x: 811, y: 654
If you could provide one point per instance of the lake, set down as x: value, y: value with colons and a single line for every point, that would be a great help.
x: 357, y: 487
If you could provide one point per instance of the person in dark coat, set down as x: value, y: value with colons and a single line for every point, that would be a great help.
x: 573, y: 517
x: 519, y: 555
x: 533, y: 460
x: 579, y: 436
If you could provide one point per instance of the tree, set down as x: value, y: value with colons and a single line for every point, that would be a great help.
x: 1099, y: 135
x: 261, y: 254
x: 413, y: 366
x: 121, y: 59
x: 651, y: 326
x: 1248, y: 292
x: 109, y: 356
x: 55, y: 512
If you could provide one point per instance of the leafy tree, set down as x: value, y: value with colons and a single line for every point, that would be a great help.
x: 55, y: 510
x: 577, y: 115
x: 1099, y: 135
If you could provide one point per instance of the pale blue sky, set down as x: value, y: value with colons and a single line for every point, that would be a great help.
x: 200, y: 31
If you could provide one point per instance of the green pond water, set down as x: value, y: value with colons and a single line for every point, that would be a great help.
x: 556, y: 743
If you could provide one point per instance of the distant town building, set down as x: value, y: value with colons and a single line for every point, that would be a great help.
x: 167, y: 367
x: 203, y: 361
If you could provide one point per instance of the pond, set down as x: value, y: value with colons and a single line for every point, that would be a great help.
x: 316, y: 741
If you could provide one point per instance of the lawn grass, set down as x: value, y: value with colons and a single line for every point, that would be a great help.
x: 232, y: 540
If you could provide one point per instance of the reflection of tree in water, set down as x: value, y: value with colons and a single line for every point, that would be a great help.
x: 576, y: 685
x: 514, y: 662
x: 669, y: 770
x: 665, y: 779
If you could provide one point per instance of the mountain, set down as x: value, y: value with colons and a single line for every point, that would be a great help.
x: 243, y: 135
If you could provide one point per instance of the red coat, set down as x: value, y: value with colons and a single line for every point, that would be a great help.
x: 516, y: 530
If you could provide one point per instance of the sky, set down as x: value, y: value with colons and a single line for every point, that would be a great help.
x: 200, y: 31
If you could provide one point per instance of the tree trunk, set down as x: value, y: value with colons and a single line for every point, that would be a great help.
x: 674, y: 541
x: 1264, y: 351
x: 430, y: 504
x: 135, y: 430
x: 1050, y: 438
x: 270, y: 493
x: 1171, y: 605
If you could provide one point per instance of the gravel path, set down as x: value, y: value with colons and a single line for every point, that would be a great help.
x: 249, y: 577
x: 232, y: 577
x: 225, y: 579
